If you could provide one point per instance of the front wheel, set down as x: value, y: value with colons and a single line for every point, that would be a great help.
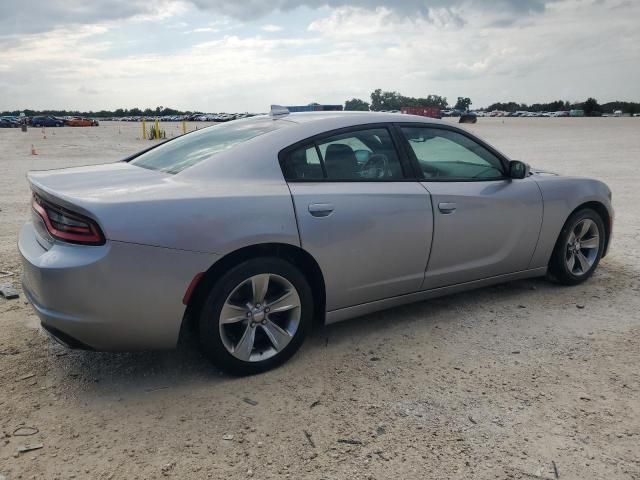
x: 579, y: 248
x: 256, y: 316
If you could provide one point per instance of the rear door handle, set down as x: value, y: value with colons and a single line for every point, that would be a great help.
x: 320, y: 209
x: 447, y: 207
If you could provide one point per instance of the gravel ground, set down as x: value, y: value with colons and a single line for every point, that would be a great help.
x: 523, y: 380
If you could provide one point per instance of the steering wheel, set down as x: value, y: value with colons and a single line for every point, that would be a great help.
x: 376, y: 167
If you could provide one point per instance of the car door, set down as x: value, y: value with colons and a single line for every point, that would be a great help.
x: 485, y: 224
x: 367, y: 224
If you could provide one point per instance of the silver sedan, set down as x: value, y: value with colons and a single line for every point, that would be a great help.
x: 250, y: 231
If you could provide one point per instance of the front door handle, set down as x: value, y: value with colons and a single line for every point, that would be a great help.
x: 447, y: 207
x: 320, y: 209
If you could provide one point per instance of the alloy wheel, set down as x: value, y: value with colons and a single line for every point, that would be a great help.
x: 260, y: 317
x: 582, y: 247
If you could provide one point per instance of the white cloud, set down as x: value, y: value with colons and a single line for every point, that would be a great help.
x: 443, y: 17
x: 271, y: 28
x: 574, y: 49
x: 202, y: 30
x: 161, y: 10
x: 219, y: 25
x: 349, y: 22
x: 252, y: 9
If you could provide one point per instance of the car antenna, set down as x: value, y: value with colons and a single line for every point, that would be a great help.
x: 278, y: 111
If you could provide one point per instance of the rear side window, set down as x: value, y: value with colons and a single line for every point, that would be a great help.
x: 356, y: 156
x: 303, y: 164
x: 193, y: 148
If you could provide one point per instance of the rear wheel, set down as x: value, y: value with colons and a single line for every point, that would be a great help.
x: 256, y: 316
x: 579, y: 248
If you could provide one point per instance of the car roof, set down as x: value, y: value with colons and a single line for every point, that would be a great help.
x: 355, y: 118
x: 257, y: 158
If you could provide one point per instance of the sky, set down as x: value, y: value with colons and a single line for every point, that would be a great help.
x: 244, y: 55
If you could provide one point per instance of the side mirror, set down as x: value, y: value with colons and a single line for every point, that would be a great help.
x: 518, y: 169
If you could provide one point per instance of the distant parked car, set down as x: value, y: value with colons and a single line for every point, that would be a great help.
x: 433, y: 112
x: 47, y: 121
x: 81, y: 122
x: 468, y: 117
x: 9, y: 123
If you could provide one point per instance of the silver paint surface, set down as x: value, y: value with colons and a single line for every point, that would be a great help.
x: 381, y: 245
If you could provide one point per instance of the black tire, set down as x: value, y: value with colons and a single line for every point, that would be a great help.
x: 209, y: 316
x: 558, y: 267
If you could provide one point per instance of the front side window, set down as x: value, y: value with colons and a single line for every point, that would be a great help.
x: 362, y: 155
x: 446, y: 155
x: 193, y: 148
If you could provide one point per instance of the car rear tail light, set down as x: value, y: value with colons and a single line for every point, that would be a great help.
x: 67, y: 226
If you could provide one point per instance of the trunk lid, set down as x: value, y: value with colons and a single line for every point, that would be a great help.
x: 94, y: 184
x: 115, y: 195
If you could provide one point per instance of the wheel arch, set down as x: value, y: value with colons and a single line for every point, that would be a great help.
x: 291, y: 253
x: 604, y: 213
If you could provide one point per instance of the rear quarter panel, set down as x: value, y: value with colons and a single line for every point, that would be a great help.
x: 135, y: 205
x: 206, y: 217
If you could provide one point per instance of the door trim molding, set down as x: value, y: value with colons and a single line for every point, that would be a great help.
x: 341, y: 314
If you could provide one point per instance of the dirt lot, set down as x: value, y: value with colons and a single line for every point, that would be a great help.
x: 524, y: 380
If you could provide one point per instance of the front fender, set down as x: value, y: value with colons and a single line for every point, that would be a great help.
x: 561, y: 196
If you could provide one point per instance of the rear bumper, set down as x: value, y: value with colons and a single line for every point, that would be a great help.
x: 117, y: 296
x: 64, y: 339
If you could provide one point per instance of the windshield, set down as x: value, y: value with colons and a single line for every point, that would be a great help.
x: 188, y: 150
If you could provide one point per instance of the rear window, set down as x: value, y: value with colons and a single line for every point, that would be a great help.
x: 188, y: 150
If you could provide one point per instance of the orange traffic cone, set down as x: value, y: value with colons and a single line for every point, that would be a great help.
x: 33, y: 150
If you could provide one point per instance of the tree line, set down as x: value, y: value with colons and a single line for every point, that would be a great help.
x: 380, y: 100
x: 389, y: 100
x: 590, y: 107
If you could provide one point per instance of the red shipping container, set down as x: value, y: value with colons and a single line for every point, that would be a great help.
x: 433, y: 112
